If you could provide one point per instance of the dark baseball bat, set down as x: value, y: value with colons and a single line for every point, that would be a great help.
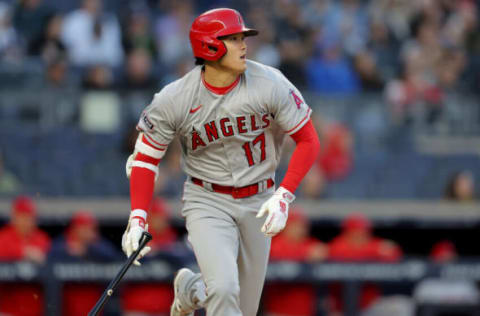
x: 146, y: 237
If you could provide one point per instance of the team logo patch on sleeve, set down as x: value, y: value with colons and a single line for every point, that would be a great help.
x: 147, y: 121
x: 296, y: 98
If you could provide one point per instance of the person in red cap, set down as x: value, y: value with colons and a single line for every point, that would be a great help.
x: 356, y: 243
x: 293, y: 244
x: 81, y: 242
x: 21, y: 239
x: 153, y: 298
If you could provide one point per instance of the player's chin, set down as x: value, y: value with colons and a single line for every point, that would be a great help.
x: 242, y: 66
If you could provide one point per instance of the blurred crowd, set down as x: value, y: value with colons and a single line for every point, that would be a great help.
x: 82, y: 241
x: 414, y: 51
x: 97, y: 63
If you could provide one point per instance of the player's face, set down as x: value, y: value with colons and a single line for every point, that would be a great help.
x: 236, y: 57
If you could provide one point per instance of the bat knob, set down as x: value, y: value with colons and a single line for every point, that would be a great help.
x: 147, y: 236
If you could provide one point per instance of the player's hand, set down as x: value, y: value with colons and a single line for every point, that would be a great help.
x: 277, y: 209
x: 131, y: 238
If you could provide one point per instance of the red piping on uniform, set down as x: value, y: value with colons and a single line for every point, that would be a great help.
x: 303, y: 120
x: 149, y: 141
x: 303, y: 157
x: 219, y: 90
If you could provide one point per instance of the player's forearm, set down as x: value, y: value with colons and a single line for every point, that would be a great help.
x: 303, y: 157
x: 142, y: 177
x: 142, y: 182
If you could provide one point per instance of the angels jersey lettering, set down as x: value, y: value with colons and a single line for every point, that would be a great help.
x: 224, y: 136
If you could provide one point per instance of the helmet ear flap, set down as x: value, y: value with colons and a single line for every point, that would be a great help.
x: 213, y: 49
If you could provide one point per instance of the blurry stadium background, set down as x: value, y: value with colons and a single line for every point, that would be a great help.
x: 386, y: 223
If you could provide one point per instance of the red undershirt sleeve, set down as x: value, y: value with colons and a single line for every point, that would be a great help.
x: 142, y: 183
x: 303, y: 157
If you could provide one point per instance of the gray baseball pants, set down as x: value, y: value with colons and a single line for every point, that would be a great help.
x: 230, y: 249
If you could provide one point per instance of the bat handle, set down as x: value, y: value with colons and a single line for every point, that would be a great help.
x: 146, y: 237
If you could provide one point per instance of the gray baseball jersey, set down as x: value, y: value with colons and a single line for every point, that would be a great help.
x: 233, y: 139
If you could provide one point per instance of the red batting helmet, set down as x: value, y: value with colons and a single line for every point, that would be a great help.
x: 209, y: 26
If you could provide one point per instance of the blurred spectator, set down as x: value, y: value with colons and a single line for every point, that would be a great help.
x: 139, y: 73
x: 171, y: 31
x: 9, y: 183
x: 81, y: 242
x: 368, y: 74
x: 138, y: 34
x: 151, y: 299
x: 443, y: 252
x: 9, y: 41
x: 48, y: 44
x: 139, y: 82
x: 313, y: 185
x: 56, y: 76
x: 30, y: 19
x: 356, y: 243
x: 314, y: 12
x: 418, y: 96
x: 295, y: 41
x: 330, y: 72
x: 383, y: 49
x: 22, y: 240
x: 293, y: 244
x: 336, y: 155
x: 100, y: 106
x: 396, y: 14
x: 460, y: 187
x: 178, y: 70
x: 92, y: 37
x: 262, y: 48
x: 98, y: 77
x: 345, y: 23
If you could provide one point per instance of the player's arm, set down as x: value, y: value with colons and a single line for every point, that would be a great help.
x: 306, y: 152
x: 303, y: 157
x: 157, y: 129
x: 142, y: 168
x: 292, y: 114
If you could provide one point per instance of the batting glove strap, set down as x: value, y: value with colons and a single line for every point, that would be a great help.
x: 139, y: 213
x: 285, y: 194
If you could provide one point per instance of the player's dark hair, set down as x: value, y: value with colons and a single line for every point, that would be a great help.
x: 199, y: 61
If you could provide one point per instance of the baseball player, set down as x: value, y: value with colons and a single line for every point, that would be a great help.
x: 231, y: 115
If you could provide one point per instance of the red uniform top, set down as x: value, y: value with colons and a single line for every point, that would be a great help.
x: 376, y: 249
x: 13, y: 245
x: 336, y: 156
x: 21, y: 299
x: 291, y: 299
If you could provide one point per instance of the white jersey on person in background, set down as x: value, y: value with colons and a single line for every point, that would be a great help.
x: 231, y: 139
